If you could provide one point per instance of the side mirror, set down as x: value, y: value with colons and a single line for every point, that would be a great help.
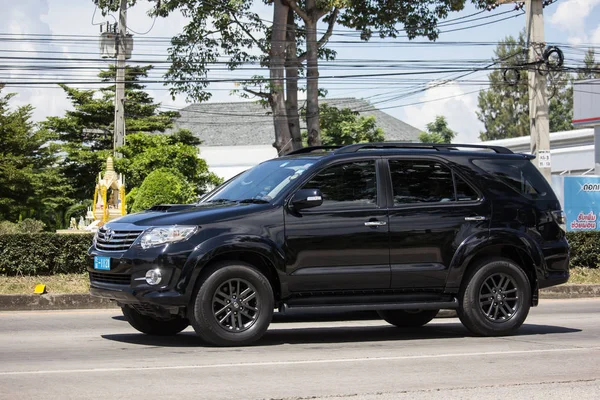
x: 307, y: 198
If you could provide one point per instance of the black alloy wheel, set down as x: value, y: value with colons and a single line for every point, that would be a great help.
x: 236, y: 305
x: 495, y: 298
x: 233, y: 305
x: 499, y: 298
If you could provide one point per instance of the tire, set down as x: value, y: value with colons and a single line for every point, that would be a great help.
x: 407, y: 318
x: 153, y: 326
x: 220, y: 318
x: 496, y: 298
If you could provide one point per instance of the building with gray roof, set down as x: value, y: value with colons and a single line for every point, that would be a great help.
x: 248, y: 123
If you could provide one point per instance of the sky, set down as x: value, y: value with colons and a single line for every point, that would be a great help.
x: 568, y: 22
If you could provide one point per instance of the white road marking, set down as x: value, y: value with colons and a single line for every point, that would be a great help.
x: 299, y: 362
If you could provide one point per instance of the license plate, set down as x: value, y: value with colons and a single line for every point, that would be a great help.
x: 102, y: 263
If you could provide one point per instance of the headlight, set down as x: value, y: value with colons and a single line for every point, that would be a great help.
x: 166, y: 234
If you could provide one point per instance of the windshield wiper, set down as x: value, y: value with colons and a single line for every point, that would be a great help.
x: 253, y: 201
x: 220, y: 201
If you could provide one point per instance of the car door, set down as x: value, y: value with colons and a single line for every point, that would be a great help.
x: 342, y: 244
x: 433, y: 209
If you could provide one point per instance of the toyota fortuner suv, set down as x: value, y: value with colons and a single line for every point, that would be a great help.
x: 402, y: 229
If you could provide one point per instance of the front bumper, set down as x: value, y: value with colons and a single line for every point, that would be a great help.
x: 125, y: 281
x: 128, y: 295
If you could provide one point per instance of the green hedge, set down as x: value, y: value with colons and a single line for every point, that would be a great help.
x: 43, y: 253
x: 585, y: 249
x: 51, y: 253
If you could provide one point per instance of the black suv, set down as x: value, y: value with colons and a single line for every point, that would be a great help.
x: 404, y: 229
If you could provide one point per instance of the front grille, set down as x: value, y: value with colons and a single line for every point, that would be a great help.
x: 115, y: 279
x: 109, y: 240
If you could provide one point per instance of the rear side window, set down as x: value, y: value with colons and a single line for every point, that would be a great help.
x: 520, y: 175
x: 464, y: 191
x: 423, y: 181
x: 347, y: 185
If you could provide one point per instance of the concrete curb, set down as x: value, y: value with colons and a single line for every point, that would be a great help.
x: 28, y: 302
x: 572, y: 291
x: 24, y: 302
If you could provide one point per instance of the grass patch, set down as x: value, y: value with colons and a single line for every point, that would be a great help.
x: 585, y: 275
x: 79, y: 283
x: 61, y: 283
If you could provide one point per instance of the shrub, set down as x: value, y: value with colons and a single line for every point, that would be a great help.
x: 43, y: 253
x: 28, y: 225
x: 585, y: 249
x: 130, y: 199
x: 163, y: 186
x: 31, y: 226
x: 7, y: 228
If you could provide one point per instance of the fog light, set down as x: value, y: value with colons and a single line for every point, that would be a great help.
x: 153, y: 277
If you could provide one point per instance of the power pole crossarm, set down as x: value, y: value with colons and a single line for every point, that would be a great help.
x: 119, y: 136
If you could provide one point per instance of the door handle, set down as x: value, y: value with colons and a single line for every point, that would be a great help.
x: 476, y: 218
x: 375, y: 223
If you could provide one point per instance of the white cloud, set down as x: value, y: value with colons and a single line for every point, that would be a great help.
x: 26, y: 18
x: 459, y: 111
x: 595, y: 36
x: 570, y: 15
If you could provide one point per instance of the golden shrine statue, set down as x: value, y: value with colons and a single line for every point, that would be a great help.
x: 109, y: 196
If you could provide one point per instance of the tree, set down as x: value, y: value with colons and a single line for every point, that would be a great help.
x: 17, y: 158
x: 243, y: 37
x: 31, y: 186
x: 87, y: 131
x: 343, y: 127
x: 163, y: 186
x: 591, y: 70
x: 437, y: 132
x: 504, y: 108
x: 144, y: 153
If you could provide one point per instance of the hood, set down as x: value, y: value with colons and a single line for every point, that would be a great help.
x: 187, y: 214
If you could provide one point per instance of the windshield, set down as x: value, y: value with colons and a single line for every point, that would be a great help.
x: 260, y: 184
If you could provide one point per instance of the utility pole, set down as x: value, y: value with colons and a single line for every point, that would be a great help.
x: 539, y: 122
x: 538, y: 98
x: 119, y: 135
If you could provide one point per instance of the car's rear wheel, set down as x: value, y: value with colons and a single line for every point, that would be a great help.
x: 496, y: 299
x: 154, y: 326
x: 233, y: 306
x: 407, y: 318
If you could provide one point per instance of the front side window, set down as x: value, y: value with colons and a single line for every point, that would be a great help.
x: 347, y: 185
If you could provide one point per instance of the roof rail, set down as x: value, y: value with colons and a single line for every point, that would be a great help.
x: 434, y: 146
x: 310, y: 149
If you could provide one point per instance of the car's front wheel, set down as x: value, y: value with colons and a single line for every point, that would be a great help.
x: 496, y: 299
x: 407, y: 318
x: 153, y: 326
x: 233, y: 306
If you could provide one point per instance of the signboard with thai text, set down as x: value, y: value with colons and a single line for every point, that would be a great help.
x: 582, y: 202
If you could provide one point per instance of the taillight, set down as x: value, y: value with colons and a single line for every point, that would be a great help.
x: 559, y: 217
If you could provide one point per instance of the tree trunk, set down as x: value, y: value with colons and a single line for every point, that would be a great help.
x: 291, y: 83
x: 312, y: 68
x: 283, y: 138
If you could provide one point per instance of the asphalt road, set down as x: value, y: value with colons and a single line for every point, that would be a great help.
x: 96, y: 355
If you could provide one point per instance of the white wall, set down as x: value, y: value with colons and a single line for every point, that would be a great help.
x: 228, y: 161
x: 572, y: 151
